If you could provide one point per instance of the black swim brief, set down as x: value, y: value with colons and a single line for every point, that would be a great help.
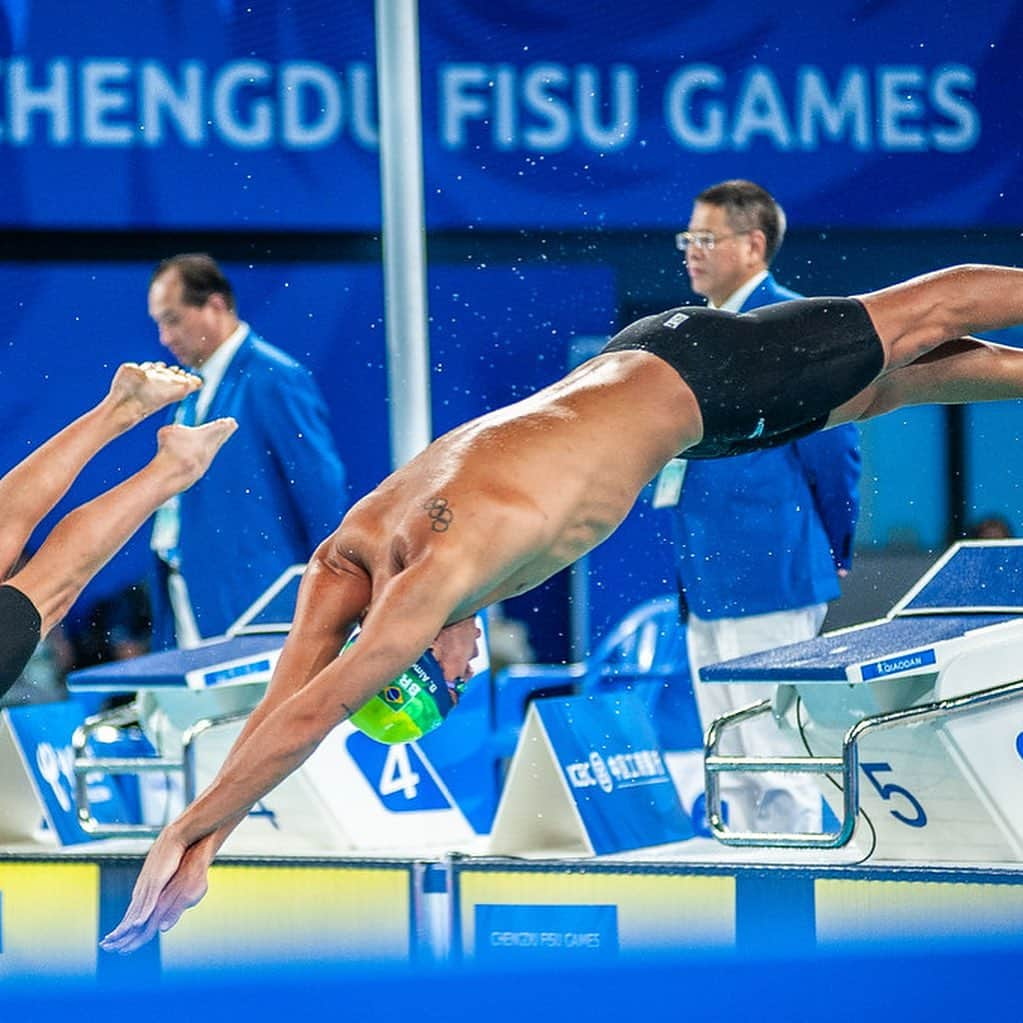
x: 20, y: 626
x: 765, y: 377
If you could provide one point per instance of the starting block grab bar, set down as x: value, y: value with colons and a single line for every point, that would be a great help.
x: 87, y: 765
x: 716, y: 764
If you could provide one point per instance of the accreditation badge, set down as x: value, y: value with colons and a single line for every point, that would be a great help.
x: 668, y: 488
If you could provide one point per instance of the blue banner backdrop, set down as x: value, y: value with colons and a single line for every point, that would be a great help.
x: 261, y: 114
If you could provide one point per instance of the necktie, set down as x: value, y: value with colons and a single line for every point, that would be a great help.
x: 186, y: 410
x: 167, y: 523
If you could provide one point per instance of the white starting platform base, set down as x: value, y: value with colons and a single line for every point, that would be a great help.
x: 913, y: 724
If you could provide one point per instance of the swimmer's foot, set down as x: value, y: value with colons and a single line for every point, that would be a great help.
x: 188, y: 451
x: 141, y: 388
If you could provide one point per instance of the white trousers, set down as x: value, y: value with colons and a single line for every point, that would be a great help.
x: 755, y: 802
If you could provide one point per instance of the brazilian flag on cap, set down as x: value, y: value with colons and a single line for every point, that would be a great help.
x: 409, y: 706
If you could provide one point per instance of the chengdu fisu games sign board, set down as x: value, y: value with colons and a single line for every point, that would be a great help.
x: 223, y: 114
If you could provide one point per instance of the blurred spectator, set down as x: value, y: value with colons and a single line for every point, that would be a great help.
x: 116, y: 628
x: 992, y: 527
x: 761, y: 538
x: 277, y: 490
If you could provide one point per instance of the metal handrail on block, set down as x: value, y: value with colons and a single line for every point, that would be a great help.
x: 716, y: 764
x: 85, y: 763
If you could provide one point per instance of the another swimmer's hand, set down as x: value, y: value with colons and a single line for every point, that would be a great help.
x: 173, y: 879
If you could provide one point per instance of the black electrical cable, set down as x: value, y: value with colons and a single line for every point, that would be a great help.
x: 863, y: 813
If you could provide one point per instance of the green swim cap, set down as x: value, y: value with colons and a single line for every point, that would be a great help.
x: 409, y: 706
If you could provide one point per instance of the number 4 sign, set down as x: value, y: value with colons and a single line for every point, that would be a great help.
x: 384, y: 797
x: 398, y: 774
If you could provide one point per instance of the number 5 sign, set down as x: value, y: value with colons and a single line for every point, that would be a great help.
x: 905, y: 806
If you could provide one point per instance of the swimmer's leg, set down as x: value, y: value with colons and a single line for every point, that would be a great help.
x: 954, y: 373
x: 19, y: 635
x: 87, y: 538
x: 36, y: 484
x: 915, y: 316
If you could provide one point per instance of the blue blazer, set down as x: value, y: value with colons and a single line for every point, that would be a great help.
x: 274, y: 491
x: 767, y: 531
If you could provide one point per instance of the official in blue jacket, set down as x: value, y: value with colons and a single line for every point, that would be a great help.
x: 762, y: 538
x: 271, y: 499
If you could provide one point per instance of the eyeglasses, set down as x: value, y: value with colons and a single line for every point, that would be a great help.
x: 704, y: 240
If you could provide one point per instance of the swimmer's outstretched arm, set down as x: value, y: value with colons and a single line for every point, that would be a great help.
x: 391, y: 640
x: 405, y: 618
x: 329, y: 603
x: 331, y: 599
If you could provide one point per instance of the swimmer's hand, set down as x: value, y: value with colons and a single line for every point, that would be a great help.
x: 454, y: 647
x: 173, y: 879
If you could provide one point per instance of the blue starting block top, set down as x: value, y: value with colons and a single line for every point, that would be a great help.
x: 876, y: 650
x: 974, y: 585
x: 975, y: 577
x: 231, y: 660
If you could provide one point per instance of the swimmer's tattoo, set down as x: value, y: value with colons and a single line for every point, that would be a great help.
x: 348, y: 711
x: 441, y: 516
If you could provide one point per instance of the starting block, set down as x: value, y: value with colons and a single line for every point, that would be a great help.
x: 917, y: 718
x: 183, y: 699
x: 351, y: 794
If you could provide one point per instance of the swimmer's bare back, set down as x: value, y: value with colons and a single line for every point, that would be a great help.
x: 511, y: 498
